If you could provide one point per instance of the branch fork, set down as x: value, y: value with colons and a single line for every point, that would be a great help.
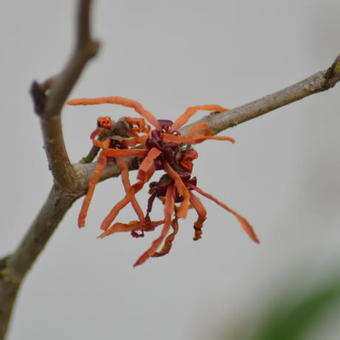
x: 71, y: 180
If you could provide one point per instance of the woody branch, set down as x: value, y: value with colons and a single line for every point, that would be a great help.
x: 318, y: 82
x: 49, y: 98
x: 71, y: 181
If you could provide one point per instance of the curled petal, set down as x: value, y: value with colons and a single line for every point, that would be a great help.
x: 119, y: 101
x: 131, y: 226
x: 202, y: 215
x: 169, y: 206
x: 190, y: 111
x: 181, y: 188
x: 168, y: 241
x: 192, y: 139
x: 100, y: 166
x: 186, y: 160
x: 244, y: 223
x: 146, y: 169
x: 141, y: 125
x: 124, y: 171
x: 101, y: 144
x: 125, y: 152
x: 121, y: 227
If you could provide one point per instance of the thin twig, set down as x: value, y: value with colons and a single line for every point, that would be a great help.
x: 318, y: 82
x: 50, y: 97
x: 92, y: 154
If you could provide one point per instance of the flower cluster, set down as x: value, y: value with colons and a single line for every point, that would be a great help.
x: 160, y: 147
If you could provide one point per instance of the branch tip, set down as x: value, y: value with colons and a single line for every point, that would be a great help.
x: 38, y: 96
x: 332, y: 75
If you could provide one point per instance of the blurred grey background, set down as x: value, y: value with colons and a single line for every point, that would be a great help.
x: 282, y: 174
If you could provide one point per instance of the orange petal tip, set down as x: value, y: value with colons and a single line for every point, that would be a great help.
x: 256, y: 240
x: 136, y: 264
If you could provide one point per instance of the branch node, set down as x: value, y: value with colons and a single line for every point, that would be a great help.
x: 10, y: 276
x: 39, y: 97
x: 92, y: 48
x: 39, y: 93
x: 332, y: 75
x: 3, y: 264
